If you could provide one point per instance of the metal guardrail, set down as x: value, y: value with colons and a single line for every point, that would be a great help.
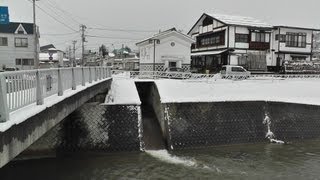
x: 193, y: 76
x: 21, y: 88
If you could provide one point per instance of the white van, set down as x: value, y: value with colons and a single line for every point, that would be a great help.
x: 230, y: 71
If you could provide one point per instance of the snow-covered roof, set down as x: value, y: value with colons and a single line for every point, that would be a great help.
x: 240, y: 20
x: 164, y: 33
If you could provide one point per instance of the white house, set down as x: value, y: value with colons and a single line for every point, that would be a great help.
x: 17, y: 45
x: 167, y: 49
x: 290, y: 44
x: 256, y: 45
x: 235, y: 40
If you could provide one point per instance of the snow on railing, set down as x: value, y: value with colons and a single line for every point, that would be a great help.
x: 21, y: 88
x: 193, y: 76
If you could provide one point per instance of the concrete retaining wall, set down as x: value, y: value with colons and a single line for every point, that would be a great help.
x: 193, y: 125
x: 94, y: 127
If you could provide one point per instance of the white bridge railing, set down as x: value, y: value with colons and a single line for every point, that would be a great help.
x: 193, y: 76
x: 21, y: 88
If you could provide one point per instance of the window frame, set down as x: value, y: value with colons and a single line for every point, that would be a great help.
x: 241, y: 38
x: 296, y: 40
x: 2, y: 40
x: 21, y: 44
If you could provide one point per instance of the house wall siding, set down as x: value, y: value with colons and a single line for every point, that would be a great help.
x: 8, y: 54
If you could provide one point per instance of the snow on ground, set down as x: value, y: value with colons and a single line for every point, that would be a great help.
x: 123, y: 91
x: 302, y: 91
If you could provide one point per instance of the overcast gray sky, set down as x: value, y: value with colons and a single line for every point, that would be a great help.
x: 150, y: 15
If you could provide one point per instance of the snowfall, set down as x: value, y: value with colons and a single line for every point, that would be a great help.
x: 301, y: 91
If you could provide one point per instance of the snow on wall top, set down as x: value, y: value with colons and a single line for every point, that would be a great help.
x: 123, y: 91
x: 290, y: 91
x: 240, y: 20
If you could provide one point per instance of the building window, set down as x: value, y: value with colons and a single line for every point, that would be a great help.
x: 260, y: 37
x: 296, y: 40
x: 3, y: 41
x: 25, y: 62
x: 298, y: 58
x: 282, y: 37
x: 243, y: 38
x: 18, y: 61
x: 172, y: 64
x: 211, y: 39
x: 21, y: 42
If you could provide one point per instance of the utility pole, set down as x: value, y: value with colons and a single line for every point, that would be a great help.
x: 83, y: 40
x: 74, y: 53
x: 36, y: 40
x: 69, y: 54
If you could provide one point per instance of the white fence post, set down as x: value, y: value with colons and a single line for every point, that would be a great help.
x: 103, y: 72
x: 39, y: 89
x: 95, y: 73
x: 4, y: 112
x: 73, y: 80
x: 90, y: 75
x: 109, y: 73
x: 83, y: 77
x: 60, y: 88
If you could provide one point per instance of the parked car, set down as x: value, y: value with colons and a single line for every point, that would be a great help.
x: 11, y: 69
x: 231, y: 72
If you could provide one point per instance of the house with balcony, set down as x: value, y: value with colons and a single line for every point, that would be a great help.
x: 290, y: 45
x: 167, y: 49
x: 17, y: 45
x: 229, y: 40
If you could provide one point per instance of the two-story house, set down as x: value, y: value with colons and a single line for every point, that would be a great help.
x: 290, y: 44
x: 165, y: 50
x: 17, y: 45
x: 229, y: 40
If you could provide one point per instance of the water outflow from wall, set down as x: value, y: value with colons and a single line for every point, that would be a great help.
x: 165, y: 156
x: 270, y: 135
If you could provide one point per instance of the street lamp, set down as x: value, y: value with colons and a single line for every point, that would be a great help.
x: 154, y: 41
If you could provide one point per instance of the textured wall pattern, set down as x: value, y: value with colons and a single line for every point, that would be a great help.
x: 94, y: 127
x: 192, y: 125
x: 149, y: 67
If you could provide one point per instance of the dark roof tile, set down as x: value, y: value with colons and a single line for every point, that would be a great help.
x: 12, y: 27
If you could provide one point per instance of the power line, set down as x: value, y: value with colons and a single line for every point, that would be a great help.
x: 63, y: 34
x: 106, y: 37
x: 54, y: 17
x: 124, y: 30
x: 53, y: 9
x: 56, y: 6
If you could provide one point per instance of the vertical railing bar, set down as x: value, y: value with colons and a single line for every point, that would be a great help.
x: 73, y: 79
x: 4, y: 111
x: 60, y: 87
x: 90, y: 75
x: 39, y: 89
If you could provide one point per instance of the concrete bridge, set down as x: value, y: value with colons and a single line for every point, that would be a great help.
x: 32, y: 102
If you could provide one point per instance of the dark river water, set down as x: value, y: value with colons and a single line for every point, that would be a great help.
x: 299, y: 160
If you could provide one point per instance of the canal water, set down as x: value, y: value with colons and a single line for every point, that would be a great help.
x: 298, y: 160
